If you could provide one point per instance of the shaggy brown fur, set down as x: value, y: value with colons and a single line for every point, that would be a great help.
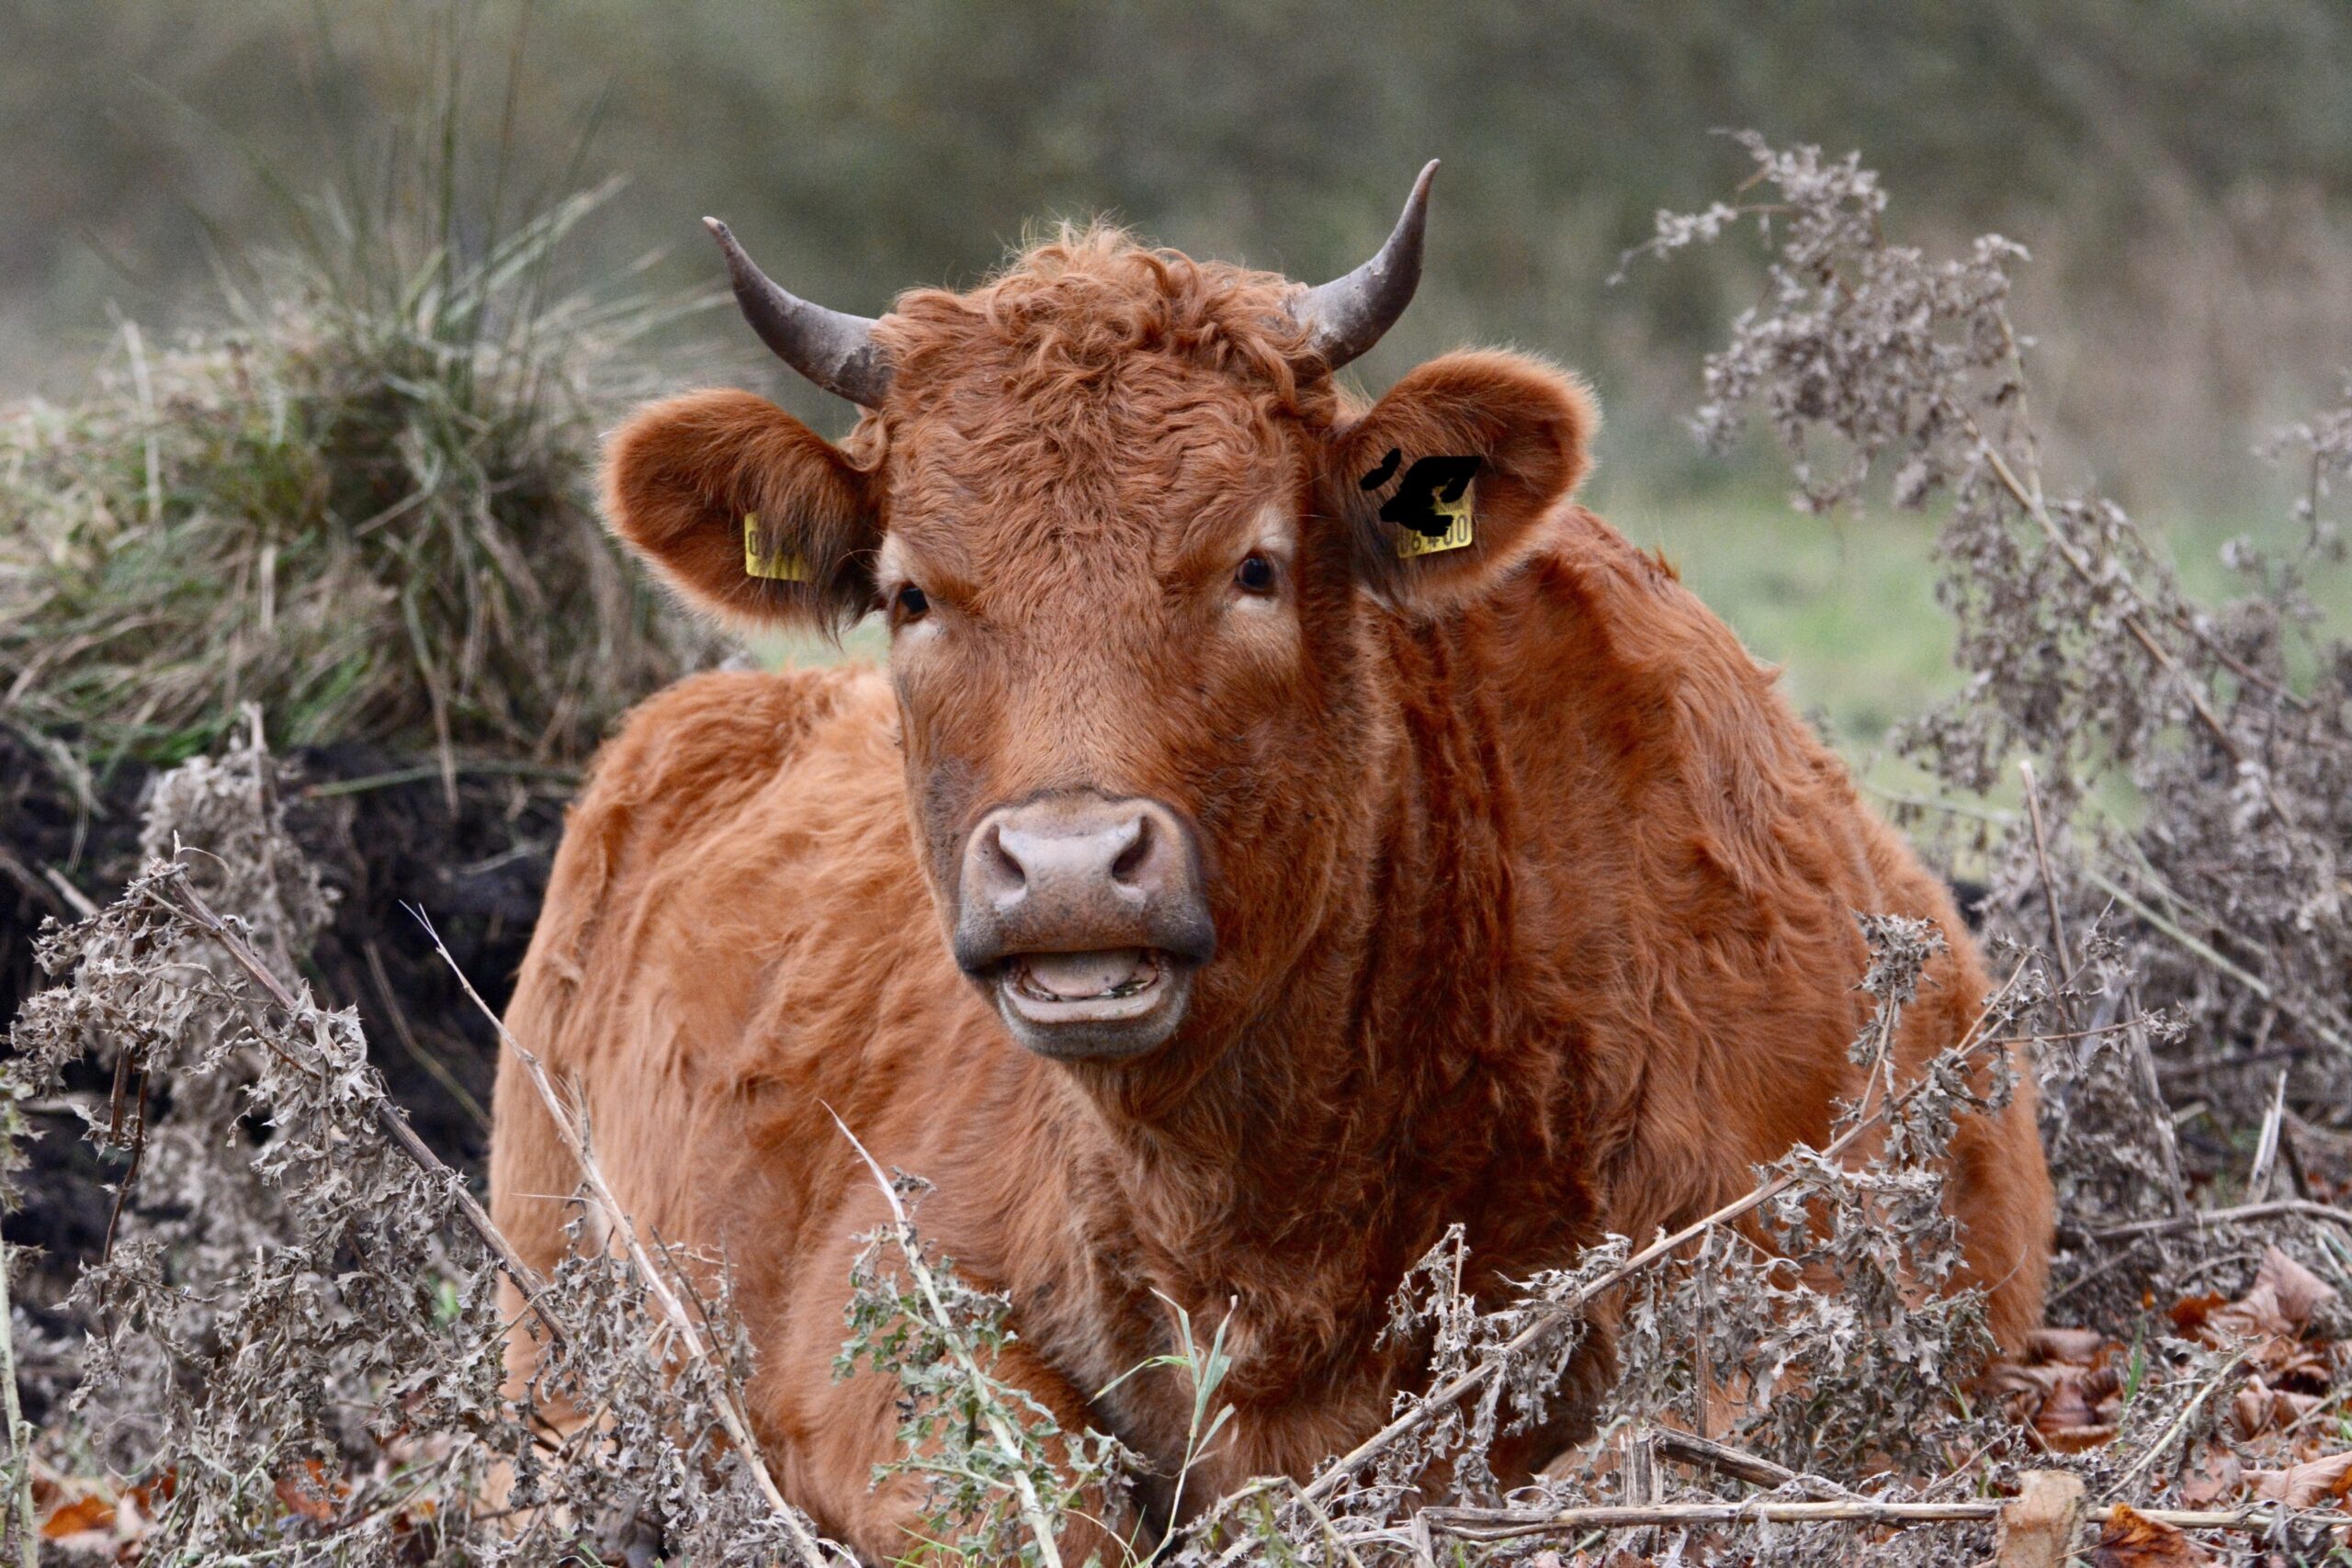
x: 1534, y: 898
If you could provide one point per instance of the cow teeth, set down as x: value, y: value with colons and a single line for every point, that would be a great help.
x: 1084, y: 976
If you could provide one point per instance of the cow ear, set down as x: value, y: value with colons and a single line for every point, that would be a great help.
x: 1445, y: 482
x: 749, y: 512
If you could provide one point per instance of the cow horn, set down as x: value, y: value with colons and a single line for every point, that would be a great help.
x: 835, y: 351
x: 1346, y: 316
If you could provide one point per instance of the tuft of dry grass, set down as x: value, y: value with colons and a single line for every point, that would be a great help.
x: 364, y: 500
x: 368, y: 513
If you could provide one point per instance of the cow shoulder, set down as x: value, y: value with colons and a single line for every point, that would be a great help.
x: 687, y: 761
x: 1718, y: 848
x: 630, y: 976
x: 1702, y: 738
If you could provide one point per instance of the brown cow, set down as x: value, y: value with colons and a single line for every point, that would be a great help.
x: 1213, y: 900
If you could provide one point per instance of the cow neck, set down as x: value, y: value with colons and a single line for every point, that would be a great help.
x: 1347, y: 1126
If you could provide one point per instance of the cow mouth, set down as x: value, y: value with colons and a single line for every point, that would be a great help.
x: 1107, y: 1002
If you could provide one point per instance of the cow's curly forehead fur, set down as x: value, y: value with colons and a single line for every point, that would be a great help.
x: 1097, y: 396
x: 1078, y: 308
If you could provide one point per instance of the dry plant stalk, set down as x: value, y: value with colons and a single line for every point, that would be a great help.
x: 1471, y: 1524
x: 23, y: 1527
x: 189, y: 906
x: 1000, y: 1422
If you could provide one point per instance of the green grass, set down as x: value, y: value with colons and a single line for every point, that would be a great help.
x: 1846, y: 605
x: 865, y: 643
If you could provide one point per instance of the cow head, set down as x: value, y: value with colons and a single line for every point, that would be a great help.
x: 1130, y: 542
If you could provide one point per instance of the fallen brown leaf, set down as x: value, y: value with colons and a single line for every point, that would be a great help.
x: 2259, y: 1408
x: 2134, y: 1540
x: 2305, y: 1486
x: 2077, y: 1440
x: 308, y: 1492
x: 2078, y: 1407
x: 2272, y: 1314
x: 81, y: 1514
x: 2256, y: 1316
x: 2250, y: 1408
x: 2068, y: 1404
x: 2217, y: 1475
x: 2298, y: 1292
x: 2039, y: 1526
x: 2011, y: 1377
x: 2189, y: 1313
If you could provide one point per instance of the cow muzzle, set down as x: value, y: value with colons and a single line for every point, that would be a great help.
x: 1084, y: 920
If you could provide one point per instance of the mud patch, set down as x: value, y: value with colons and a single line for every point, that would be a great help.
x: 379, y: 826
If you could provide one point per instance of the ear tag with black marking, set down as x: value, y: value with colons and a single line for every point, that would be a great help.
x: 1458, y: 534
x: 1433, y: 508
x: 781, y: 566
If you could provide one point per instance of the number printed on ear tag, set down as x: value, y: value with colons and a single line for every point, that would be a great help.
x: 1411, y: 542
x: 781, y: 566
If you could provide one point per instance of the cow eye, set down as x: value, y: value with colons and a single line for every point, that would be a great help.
x: 910, y: 602
x: 1255, y: 574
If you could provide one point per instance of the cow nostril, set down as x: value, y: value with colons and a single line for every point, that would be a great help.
x: 1010, y: 874
x: 1131, y: 860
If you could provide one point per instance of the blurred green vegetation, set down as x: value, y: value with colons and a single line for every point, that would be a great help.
x: 2181, y: 169
x: 1847, y: 605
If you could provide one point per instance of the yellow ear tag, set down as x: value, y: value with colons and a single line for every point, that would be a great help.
x: 1411, y: 542
x: 781, y: 566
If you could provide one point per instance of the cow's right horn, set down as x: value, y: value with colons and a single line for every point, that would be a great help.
x: 834, y: 350
x: 1349, y: 314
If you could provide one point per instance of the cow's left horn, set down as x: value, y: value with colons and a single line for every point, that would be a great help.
x: 1349, y: 314
x: 834, y: 350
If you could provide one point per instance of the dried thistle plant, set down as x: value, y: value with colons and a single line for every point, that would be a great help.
x: 1820, y: 1307
x: 1836, y: 1336
x: 283, y: 1299
x: 2198, y: 925
x: 295, y: 1348
x: 2221, y: 879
